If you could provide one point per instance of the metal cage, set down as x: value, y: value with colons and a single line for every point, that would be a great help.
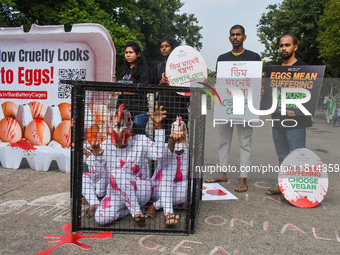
x: 122, y: 161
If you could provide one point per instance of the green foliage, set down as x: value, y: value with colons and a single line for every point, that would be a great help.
x: 211, y: 80
x: 144, y: 21
x: 297, y: 17
x: 9, y: 15
x: 329, y: 37
x: 158, y: 19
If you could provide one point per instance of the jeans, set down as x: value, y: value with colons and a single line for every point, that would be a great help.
x: 287, y: 140
x: 336, y: 116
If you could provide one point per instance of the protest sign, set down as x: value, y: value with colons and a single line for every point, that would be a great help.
x: 293, y: 77
x: 214, y: 191
x: 36, y: 110
x: 185, y: 64
x: 303, y: 178
x: 244, y: 76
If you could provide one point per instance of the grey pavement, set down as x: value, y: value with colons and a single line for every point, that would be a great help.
x: 36, y: 204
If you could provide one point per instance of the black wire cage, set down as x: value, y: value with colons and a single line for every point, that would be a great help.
x: 132, y: 163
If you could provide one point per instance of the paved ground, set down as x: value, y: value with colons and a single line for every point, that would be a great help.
x: 253, y: 224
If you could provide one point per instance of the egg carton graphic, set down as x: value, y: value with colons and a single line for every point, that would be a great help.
x: 39, y: 157
x: 36, y: 133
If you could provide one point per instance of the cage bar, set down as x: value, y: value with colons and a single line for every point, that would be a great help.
x: 125, y: 164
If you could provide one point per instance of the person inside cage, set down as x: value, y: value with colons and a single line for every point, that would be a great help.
x: 124, y: 159
x: 170, y: 180
x: 135, y: 70
x: 97, y: 122
x: 175, y: 103
x: 96, y: 132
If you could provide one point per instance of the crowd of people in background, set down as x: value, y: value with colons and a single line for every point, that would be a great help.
x: 331, y: 106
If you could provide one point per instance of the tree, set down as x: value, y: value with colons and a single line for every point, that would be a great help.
x: 152, y: 20
x: 9, y: 15
x: 144, y: 21
x: 329, y: 37
x: 297, y: 17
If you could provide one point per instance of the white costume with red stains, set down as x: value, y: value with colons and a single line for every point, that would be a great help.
x: 95, y: 181
x: 124, y: 165
x: 128, y: 174
x: 170, y: 181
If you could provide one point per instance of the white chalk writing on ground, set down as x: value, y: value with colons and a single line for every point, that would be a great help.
x: 218, y: 220
x: 56, y: 206
x: 150, y: 242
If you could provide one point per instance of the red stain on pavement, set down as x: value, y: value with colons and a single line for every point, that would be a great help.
x: 70, y: 238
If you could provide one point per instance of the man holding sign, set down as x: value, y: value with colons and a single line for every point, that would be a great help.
x: 238, y: 53
x: 287, y: 139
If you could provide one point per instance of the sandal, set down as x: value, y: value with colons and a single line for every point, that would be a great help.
x: 239, y: 188
x: 215, y: 180
x: 272, y: 192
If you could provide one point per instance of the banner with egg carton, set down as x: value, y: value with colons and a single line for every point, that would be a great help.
x: 35, y: 114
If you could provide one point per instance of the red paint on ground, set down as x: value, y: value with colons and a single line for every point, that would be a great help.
x: 70, y: 238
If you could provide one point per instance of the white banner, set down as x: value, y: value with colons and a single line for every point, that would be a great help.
x: 35, y: 113
x: 185, y: 63
x: 244, y: 77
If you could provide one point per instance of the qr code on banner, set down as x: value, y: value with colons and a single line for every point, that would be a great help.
x: 64, y: 90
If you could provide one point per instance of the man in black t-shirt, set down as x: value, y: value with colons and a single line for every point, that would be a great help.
x: 238, y: 53
x: 288, y: 139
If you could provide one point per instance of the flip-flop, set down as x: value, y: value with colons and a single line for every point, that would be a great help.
x: 241, y: 186
x: 273, y: 192
x: 215, y: 180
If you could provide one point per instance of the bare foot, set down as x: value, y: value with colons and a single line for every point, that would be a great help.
x: 91, y: 211
x: 84, y: 201
x: 171, y: 219
x: 151, y: 212
x: 140, y: 219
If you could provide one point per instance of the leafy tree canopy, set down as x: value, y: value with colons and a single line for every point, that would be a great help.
x: 144, y: 21
x: 329, y: 36
x: 297, y: 17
